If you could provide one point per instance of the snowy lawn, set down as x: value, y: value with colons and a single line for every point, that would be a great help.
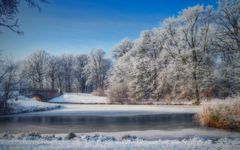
x: 81, y: 98
x: 73, y: 141
x: 24, y: 104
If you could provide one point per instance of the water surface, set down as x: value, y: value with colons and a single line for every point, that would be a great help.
x: 83, y: 124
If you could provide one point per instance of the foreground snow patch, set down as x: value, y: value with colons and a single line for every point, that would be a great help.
x: 24, y: 104
x: 80, y: 98
x: 186, y: 144
x: 102, y: 142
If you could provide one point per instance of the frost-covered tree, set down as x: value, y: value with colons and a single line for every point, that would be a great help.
x: 194, y: 30
x: 190, y: 56
x: 60, y: 74
x: 228, y: 45
x: 3, y: 69
x: 10, y: 81
x: 36, y: 68
x: 119, y: 79
x: 52, y: 70
x: 81, y: 62
x: 9, y: 78
x: 9, y: 10
x: 135, y: 73
x: 229, y: 24
x: 67, y: 62
x: 122, y: 48
x: 42, y: 71
x: 96, y: 69
x: 147, y: 49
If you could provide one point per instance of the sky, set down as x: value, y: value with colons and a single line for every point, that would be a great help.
x: 77, y: 26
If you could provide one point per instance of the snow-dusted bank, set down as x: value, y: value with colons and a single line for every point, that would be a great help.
x: 72, y: 141
x: 81, y: 98
x: 115, y: 110
x: 24, y: 105
x: 84, y: 98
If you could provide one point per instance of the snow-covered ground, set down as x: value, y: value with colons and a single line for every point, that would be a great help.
x: 152, y: 135
x: 24, y: 104
x: 115, y: 110
x: 73, y: 141
x: 187, y: 144
x: 81, y: 98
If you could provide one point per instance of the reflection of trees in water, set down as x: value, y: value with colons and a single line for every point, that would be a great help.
x: 94, y: 123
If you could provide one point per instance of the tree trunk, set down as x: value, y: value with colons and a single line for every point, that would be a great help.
x: 194, y: 75
x: 53, y: 80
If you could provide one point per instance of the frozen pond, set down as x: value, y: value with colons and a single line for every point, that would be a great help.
x: 148, y: 121
x: 101, y: 118
x: 83, y: 124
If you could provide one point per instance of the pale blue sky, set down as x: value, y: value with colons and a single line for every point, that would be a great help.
x: 76, y: 26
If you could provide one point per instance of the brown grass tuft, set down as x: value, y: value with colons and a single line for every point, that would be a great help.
x: 221, y: 114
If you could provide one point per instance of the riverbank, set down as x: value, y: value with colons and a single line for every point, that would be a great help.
x: 114, y: 110
x: 26, y: 105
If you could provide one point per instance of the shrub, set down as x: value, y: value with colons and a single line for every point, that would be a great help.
x: 118, y: 94
x: 131, y: 138
x: 98, y: 92
x: 70, y: 136
x: 32, y: 136
x: 221, y: 114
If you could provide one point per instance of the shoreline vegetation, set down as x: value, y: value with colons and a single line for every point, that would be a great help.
x: 215, y: 113
x: 223, y: 114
